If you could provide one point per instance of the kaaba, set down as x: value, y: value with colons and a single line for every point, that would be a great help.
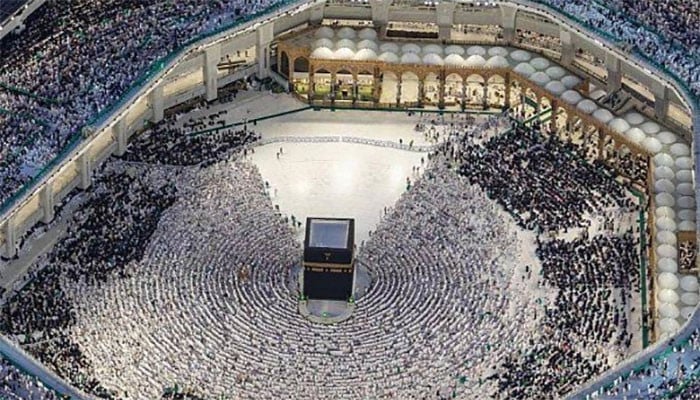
x: 329, y: 259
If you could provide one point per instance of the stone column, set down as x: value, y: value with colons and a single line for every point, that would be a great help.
x: 10, y: 237
x: 334, y: 78
x: 264, y: 35
x: 46, y: 199
x: 441, y: 89
x: 486, y: 95
x: 445, y: 19
x: 398, y: 91
x: 506, y: 95
x: 660, y: 92
x: 380, y: 15
x: 210, y: 71
x: 464, y: 93
x: 156, y: 97
x: 421, y: 91
x: 376, y: 85
x: 119, y: 133
x: 553, y: 120
x: 311, y: 91
x: 84, y: 170
x: 508, y: 14
x: 612, y: 65
x: 568, y: 50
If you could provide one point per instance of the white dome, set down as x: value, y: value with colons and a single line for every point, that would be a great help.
x: 684, y: 162
x: 684, y: 175
x: 619, y: 125
x: 634, y: 118
x: 596, y: 94
x: 367, y: 34
x: 476, y: 51
x: 666, y: 137
x: 667, y: 251
x: 668, y: 296
x: 433, y: 59
x: 667, y: 310
x: 323, y: 53
x: 689, y: 298
x: 689, y: 283
x: 635, y: 134
x: 344, y: 54
x: 388, y: 57
x: 687, y: 226
x: 668, y: 325
x: 345, y: 44
x: 410, y: 48
x: 603, y: 115
x: 653, y: 145
x: 555, y: 72
x: 680, y: 149
x: 497, y: 51
x: 555, y: 87
x: 663, y: 159
x: 664, y: 172
x: 687, y: 312
x: 685, y: 189
x: 571, y: 96
x: 432, y: 48
x: 668, y: 264
x: 497, y: 62
x: 587, y: 106
x: 391, y: 47
x: 474, y: 61
x: 324, y: 32
x: 664, y: 186
x: 539, y: 63
x: 524, y: 69
x: 650, y: 128
x: 365, y: 55
x: 665, y: 211
x: 540, y: 78
x: 668, y: 280
x: 571, y: 81
x: 686, y: 215
x: 520, y: 55
x: 322, y: 42
x: 686, y: 202
x: 453, y: 49
x: 665, y: 223
x: 367, y: 44
x: 410, y: 58
x: 454, y: 60
x: 346, y: 33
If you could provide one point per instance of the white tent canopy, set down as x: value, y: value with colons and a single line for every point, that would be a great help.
x: 365, y: 55
x: 666, y: 237
x: 689, y: 298
x: 668, y: 296
x: 667, y: 264
x: 571, y: 96
x: 323, y: 42
x: 410, y: 48
x: 432, y: 48
x: 555, y: 72
x: 686, y: 215
x: 555, y: 87
x: 664, y: 172
x: 367, y: 44
x: 689, y: 283
x: 603, y: 115
x: 664, y: 186
x: 650, y: 128
x: 684, y: 175
x: 686, y: 202
x: 619, y: 125
x: 346, y: 32
x: 343, y: 54
x: 391, y: 47
x: 680, y: 149
x: 668, y: 325
x: 687, y: 226
x: 410, y: 58
x: 684, y: 162
x: 524, y: 69
x: 667, y: 251
x: 476, y: 51
x: 635, y: 134
x: 454, y: 49
x: 665, y: 211
x: 634, y: 118
x: 520, y: 55
x: 666, y: 137
x: 367, y: 34
x: 433, y: 59
x: 570, y: 81
x: 667, y: 310
x: 497, y: 51
x: 663, y: 159
x: 539, y: 63
x: 668, y: 280
x: 596, y: 94
x: 474, y: 61
x: 345, y: 44
x: 685, y: 189
x: 540, y: 78
x: 587, y: 106
x: 497, y: 62
x: 324, y: 32
x: 323, y: 53
x: 454, y: 60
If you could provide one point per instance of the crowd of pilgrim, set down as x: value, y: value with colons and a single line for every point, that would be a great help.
x: 15, y: 385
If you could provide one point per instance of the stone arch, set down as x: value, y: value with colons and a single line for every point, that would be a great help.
x: 284, y: 65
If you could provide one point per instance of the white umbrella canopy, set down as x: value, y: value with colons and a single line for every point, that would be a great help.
x: 587, y: 106
x: 668, y: 296
x: 634, y: 118
x: 365, y: 55
x: 667, y: 251
x: 663, y: 172
x: 635, y: 134
x: 454, y: 60
x: 476, y: 51
x: 684, y: 162
x: 686, y: 202
x: 555, y: 87
x: 653, y: 145
x: 680, y: 149
x: 684, y: 176
x: 367, y: 44
x: 433, y: 59
x: 539, y: 63
x: 619, y: 125
x: 668, y: 325
x: 410, y: 58
x: 497, y: 62
x: 453, y: 49
x: 540, y: 78
x: 432, y: 48
x: 323, y: 42
x: 689, y: 298
x: 650, y: 128
x: 520, y: 55
x: 663, y: 159
x: 596, y: 94
x: 497, y: 51
x: 344, y: 54
x: 685, y: 189
x: 687, y: 226
x: 323, y: 53
x: 346, y: 32
x: 474, y: 61
x: 324, y: 32
x: 603, y: 115
x: 410, y: 48
x: 555, y: 72
x: 667, y: 310
x: 686, y: 215
x: 367, y: 34
x: 665, y: 211
x: 687, y: 312
x: 689, y: 283
x: 668, y: 265
x: 665, y: 224
x: 666, y: 137
x: 664, y: 186
x: 389, y: 47
x: 388, y: 57
x: 571, y: 96
x: 524, y: 69
x: 345, y: 44
x: 668, y: 280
